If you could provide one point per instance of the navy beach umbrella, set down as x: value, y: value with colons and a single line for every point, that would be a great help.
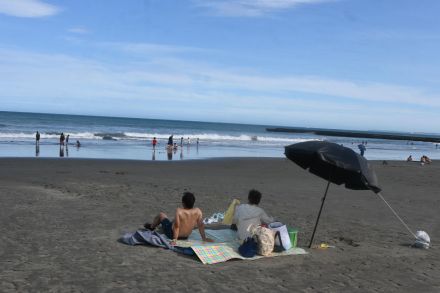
x: 334, y: 163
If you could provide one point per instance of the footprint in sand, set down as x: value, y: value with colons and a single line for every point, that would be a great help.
x: 349, y: 241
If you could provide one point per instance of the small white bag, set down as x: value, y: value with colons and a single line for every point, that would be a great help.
x: 422, y: 240
x: 284, y: 235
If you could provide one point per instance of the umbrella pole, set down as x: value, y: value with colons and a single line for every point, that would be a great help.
x: 319, y: 214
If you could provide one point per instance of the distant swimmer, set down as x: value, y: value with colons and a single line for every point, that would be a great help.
x: 78, y: 144
x: 409, y: 159
x: 37, y: 138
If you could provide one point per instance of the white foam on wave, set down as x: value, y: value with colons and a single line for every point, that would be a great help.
x: 213, y: 137
x: 21, y: 135
x: 207, y: 137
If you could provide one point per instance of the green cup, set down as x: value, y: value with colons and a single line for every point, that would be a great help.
x: 293, y: 234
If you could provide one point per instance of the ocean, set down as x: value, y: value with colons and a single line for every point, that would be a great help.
x: 130, y: 138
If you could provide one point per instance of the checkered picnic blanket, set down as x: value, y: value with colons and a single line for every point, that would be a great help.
x: 214, y: 253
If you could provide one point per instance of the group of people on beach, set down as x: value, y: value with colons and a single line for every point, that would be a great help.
x: 172, y: 147
x: 189, y: 217
x: 64, y: 141
x: 423, y: 160
x: 171, y: 144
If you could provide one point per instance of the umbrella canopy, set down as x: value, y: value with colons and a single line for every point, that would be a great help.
x: 335, y: 163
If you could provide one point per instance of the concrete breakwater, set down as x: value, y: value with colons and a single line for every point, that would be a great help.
x: 360, y: 134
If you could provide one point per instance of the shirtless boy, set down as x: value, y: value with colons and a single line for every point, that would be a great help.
x: 186, y: 219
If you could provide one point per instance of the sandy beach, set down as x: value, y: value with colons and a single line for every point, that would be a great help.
x: 60, y: 221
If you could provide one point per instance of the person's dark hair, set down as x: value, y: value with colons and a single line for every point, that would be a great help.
x: 188, y: 200
x: 254, y: 197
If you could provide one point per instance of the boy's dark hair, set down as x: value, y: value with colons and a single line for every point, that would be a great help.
x: 188, y: 200
x: 254, y: 197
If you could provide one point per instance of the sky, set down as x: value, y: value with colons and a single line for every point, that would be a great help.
x: 349, y: 64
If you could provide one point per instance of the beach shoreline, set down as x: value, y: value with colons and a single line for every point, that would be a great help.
x: 61, y: 220
x: 125, y: 138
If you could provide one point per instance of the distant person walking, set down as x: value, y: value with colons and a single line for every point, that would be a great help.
x: 37, y: 138
x: 154, y: 142
x: 197, y: 142
x: 362, y: 149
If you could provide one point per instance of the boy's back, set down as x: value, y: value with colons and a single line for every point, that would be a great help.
x: 187, y: 219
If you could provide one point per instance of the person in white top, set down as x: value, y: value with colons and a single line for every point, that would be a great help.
x: 248, y: 215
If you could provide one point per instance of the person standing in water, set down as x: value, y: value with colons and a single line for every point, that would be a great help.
x: 67, y: 139
x: 181, y: 141
x: 62, y: 139
x: 37, y: 144
x: 37, y: 138
x: 170, y: 141
x: 154, y: 142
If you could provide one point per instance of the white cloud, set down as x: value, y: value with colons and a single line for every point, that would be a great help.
x: 252, y: 8
x: 146, y: 48
x: 210, y: 93
x: 78, y: 30
x: 18, y: 67
x: 27, y: 8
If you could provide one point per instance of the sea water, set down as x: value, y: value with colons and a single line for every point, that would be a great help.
x: 131, y: 138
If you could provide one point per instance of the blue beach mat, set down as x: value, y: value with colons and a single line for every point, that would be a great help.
x: 223, y: 249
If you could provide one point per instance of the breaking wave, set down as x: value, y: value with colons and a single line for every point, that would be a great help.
x: 214, y: 137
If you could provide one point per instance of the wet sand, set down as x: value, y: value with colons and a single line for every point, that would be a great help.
x: 61, y: 218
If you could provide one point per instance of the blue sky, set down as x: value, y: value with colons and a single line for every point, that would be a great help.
x: 352, y: 64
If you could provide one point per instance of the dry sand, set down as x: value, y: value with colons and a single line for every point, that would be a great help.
x: 60, y: 220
